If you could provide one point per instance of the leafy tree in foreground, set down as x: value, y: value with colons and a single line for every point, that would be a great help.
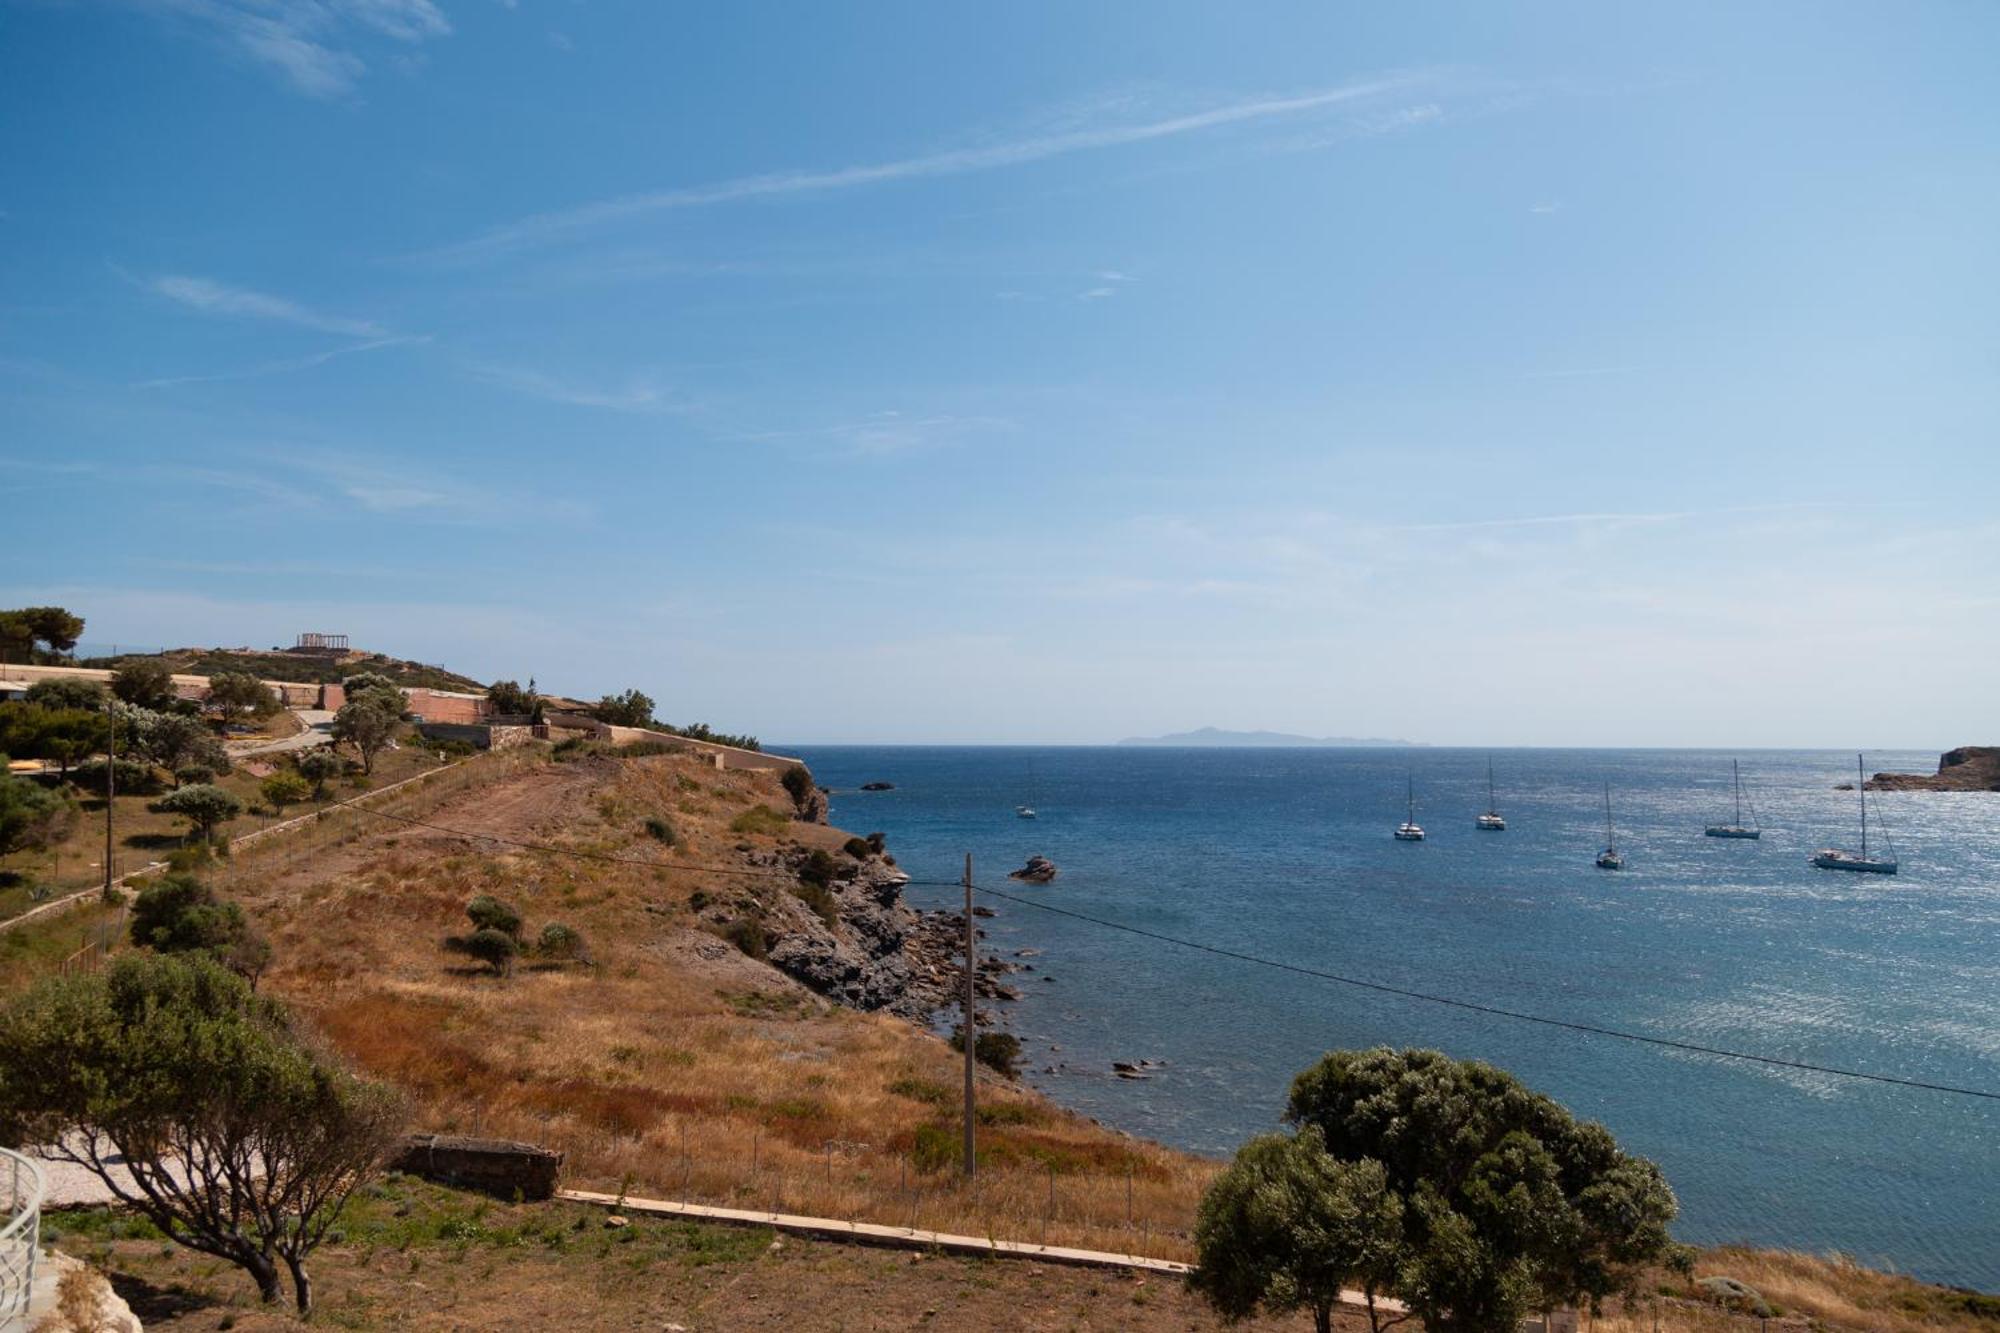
x: 798, y: 781
x: 230, y: 1134
x: 145, y: 682
x: 180, y: 914
x: 319, y: 767
x: 204, y: 806
x: 1508, y: 1204
x: 374, y: 685
x: 1288, y: 1225
x: 171, y: 740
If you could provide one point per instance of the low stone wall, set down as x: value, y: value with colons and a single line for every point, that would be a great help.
x: 499, y: 1167
x: 480, y: 735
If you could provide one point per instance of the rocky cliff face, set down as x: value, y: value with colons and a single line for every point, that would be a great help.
x: 1968, y: 768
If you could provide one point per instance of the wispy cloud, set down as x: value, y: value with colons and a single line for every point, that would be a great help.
x: 543, y: 228
x: 215, y: 298
x: 311, y: 43
x: 891, y: 432
x: 278, y: 367
x: 643, y: 394
x: 1546, y: 207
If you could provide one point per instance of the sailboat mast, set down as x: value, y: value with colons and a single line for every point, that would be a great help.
x: 1490, y: 807
x: 1737, y: 770
x: 1861, y: 790
x: 1609, y: 840
x: 1413, y: 801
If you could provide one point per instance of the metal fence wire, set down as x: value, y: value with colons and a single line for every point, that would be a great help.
x: 22, y: 1187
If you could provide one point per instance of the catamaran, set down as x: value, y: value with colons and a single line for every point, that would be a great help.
x: 1410, y: 830
x: 1835, y: 858
x: 1491, y: 820
x: 1609, y: 859
x: 1737, y: 829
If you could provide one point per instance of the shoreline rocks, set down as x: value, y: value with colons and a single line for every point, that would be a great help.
x: 1038, y: 870
x: 1967, y: 768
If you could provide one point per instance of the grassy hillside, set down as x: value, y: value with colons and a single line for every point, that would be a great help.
x: 673, y: 1064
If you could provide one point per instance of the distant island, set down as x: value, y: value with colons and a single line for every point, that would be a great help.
x: 1214, y: 736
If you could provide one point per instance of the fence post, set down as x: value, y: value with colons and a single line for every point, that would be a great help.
x: 1049, y: 1208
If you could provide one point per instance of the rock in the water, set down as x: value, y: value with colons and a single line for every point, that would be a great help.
x: 878, y: 786
x: 1039, y: 870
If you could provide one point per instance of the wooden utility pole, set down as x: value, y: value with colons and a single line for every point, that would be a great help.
x: 110, y: 793
x: 971, y: 1015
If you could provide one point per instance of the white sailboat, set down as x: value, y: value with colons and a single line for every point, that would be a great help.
x: 1491, y: 821
x: 1026, y: 810
x: 1835, y: 858
x: 1737, y: 829
x: 1410, y: 830
x: 1609, y: 858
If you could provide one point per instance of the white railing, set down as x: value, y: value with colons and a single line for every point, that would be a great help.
x: 21, y: 1189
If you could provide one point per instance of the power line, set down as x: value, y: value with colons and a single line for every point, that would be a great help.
x: 1493, y: 1010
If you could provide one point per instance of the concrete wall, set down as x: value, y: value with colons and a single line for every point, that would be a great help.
x: 722, y: 756
x: 480, y: 734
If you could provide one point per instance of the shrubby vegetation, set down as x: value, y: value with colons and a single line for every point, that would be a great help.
x: 67, y: 692
x: 235, y: 695
x: 369, y: 718
x: 1441, y: 1182
x: 285, y: 788
x: 319, y: 767
x: 701, y: 731
x: 230, y: 1133
x: 509, y: 698
x: 998, y: 1051
x: 496, y: 940
x: 32, y: 817
x: 178, y: 913
x: 144, y: 682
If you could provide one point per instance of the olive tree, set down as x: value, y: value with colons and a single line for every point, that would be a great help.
x: 1507, y: 1203
x: 67, y: 692
x: 196, y: 1103
x: 204, y: 806
x: 1288, y: 1225
x: 319, y: 767
x: 238, y: 694
x: 368, y: 722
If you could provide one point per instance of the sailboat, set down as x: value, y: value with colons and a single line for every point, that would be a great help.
x: 1024, y: 810
x: 1834, y: 858
x: 1736, y: 829
x: 1609, y: 859
x: 1491, y: 820
x: 1410, y: 830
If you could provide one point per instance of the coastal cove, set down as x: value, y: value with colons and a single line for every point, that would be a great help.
x: 1287, y: 855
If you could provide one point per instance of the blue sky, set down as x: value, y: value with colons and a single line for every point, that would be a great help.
x: 1541, y: 374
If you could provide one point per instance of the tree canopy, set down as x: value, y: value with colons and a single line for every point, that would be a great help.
x: 1506, y: 1203
x: 32, y: 817
x: 1288, y: 1225
x: 368, y: 721
x: 66, y: 692
x: 181, y: 914
x: 630, y: 709
x: 195, y: 1103
x: 145, y: 682
x: 203, y: 805
x: 21, y: 629
x: 238, y: 694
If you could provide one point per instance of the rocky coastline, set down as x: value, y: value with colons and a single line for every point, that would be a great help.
x: 1967, y: 768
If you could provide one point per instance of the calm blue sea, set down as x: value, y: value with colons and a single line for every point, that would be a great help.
x: 1287, y: 854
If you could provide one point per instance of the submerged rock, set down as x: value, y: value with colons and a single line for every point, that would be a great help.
x: 878, y: 786
x: 1039, y: 870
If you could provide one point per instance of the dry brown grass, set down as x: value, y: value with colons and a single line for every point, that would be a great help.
x: 674, y: 1065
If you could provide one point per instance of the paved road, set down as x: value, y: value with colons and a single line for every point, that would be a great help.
x: 318, y: 731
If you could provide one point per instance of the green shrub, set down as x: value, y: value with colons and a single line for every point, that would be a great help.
x: 488, y: 913
x: 747, y: 934
x: 319, y: 767
x: 561, y: 942
x: 193, y: 775
x: 817, y: 869
x: 998, y: 1051
x: 760, y: 819
x: 644, y: 749
x: 820, y: 899
x: 857, y: 848
x: 938, y: 1148
x: 660, y: 830
x: 798, y: 785
x: 285, y: 788
x: 177, y: 913
x: 495, y: 948
x: 923, y: 1090
x: 133, y: 777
